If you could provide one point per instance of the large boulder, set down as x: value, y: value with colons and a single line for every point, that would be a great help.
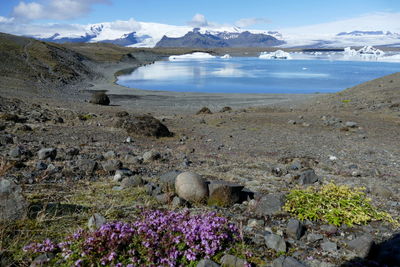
x: 144, y: 126
x: 12, y: 204
x: 191, y: 187
x: 100, y: 98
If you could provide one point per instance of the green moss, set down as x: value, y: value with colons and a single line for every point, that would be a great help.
x: 335, y: 204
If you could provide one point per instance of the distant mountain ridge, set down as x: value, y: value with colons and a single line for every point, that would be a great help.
x: 148, y: 34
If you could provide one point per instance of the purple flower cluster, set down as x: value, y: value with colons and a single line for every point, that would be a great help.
x: 156, y: 238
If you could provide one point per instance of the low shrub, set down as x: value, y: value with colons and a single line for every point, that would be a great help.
x: 156, y: 238
x: 335, y: 204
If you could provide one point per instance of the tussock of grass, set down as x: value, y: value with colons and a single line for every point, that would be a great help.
x: 335, y: 204
x: 58, y: 211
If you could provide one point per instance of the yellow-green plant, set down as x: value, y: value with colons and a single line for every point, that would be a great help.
x: 335, y: 204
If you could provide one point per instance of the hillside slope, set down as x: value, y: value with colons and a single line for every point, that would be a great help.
x: 380, y: 94
x: 27, y: 61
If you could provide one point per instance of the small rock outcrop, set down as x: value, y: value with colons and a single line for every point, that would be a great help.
x: 191, y: 187
x: 144, y: 126
x: 100, y: 98
x: 204, y: 110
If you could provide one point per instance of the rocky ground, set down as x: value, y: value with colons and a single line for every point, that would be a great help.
x: 64, y: 160
x: 82, y: 157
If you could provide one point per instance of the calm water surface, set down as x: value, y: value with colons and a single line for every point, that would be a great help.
x: 254, y: 75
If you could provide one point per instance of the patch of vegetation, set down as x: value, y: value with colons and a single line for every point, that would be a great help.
x: 346, y: 101
x: 154, y: 238
x: 335, y: 204
x: 59, y: 211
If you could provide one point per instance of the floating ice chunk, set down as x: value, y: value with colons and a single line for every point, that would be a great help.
x: 349, y: 52
x: 196, y: 55
x: 304, y: 68
x: 278, y: 54
x: 369, y: 50
x: 226, y: 56
x: 365, y: 53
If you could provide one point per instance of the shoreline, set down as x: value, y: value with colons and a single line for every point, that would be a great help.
x: 169, y: 102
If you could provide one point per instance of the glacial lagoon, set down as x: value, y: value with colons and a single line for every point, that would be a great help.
x: 301, y: 75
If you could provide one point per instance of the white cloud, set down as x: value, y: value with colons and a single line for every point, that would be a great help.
x: 6, y: 20
x: 54, y: 9
x: 198, y: 20
x: 246, y: 22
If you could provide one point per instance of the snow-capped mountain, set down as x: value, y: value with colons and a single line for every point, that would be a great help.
x: 146, y: 34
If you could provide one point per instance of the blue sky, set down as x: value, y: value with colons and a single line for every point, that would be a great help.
x: 269, y: 14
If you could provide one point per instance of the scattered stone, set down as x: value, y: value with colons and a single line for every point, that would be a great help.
x: 109, y: 155
x: 42, y: 260
x: 308, y: 177
x: 112, y: 165
x: 223, y: 193
x: 144, y: 126
x: 329, y: 246
x: 72, y: 151
x: 293, y: 122
x: 100, y: 98
x: 329, y: 229
x: 275, y: 242
x: 133, y: 181
x: 283, y: 261
x: 270, y: 204
x: 226, y: 109
x: 131, y: 159
x: 11, y: 117
x: 25, y: 128
x: 252, y: 223
x: 121, y: 114
x: 295, y: 229
x: 40, y: 166
x: 312, y: 237
x: 15, y: 152
x: 204, y: 110
x: 361, y: 245
x: 177, y: 202
x: 47, y: 153
x: 351, y: 124
x: 151, y: 156
x: 168, y: 180
x: 12, y: 203
x: 163, y: 198
x: 191, y: 187
x: 278, y: 171
x: 6, y: 139
x: 232, y: 261
x: 87, y: 166
x: 96, y: 221
x: 206, y: 263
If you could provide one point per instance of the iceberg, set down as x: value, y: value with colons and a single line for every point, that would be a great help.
x: 365, y: 53
x: 278, y: 54
x: 226, y: 56
x: 196, y: 55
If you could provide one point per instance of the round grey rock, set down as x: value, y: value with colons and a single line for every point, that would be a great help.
x: 191, y: 187
x: 47, y: 153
